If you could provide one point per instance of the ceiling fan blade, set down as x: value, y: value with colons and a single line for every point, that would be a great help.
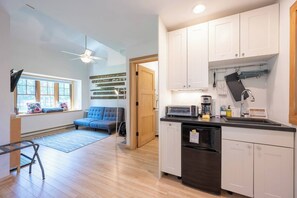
x: 96, y: 58
x: 75, y: 58
x: 71, y: 53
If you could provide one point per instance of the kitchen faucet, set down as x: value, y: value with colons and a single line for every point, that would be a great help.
x: 242, y: 100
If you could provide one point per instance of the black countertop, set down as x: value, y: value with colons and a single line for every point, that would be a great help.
x: 222, y: 122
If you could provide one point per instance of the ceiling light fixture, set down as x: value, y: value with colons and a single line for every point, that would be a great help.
x: 85, y: 58
x: 199, y: 9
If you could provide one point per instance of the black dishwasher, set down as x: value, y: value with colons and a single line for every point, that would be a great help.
x: 201, y: 157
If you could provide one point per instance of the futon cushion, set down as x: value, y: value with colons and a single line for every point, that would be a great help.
x: 96, y: 113
x: 83, y: 122
x: 103, y: 124
x: 110, y: 113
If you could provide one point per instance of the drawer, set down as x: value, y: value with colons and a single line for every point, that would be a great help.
x: 270, y: 137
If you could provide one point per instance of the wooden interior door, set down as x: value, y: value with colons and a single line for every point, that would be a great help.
x: 146, y: 101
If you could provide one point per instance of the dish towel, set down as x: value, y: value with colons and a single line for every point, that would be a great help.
x: 222, y: 88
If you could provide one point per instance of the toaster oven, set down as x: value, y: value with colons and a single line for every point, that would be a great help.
x: 182, y: 111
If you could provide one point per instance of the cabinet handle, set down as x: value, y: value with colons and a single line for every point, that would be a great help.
x: 189, y: 85
x: 236, y: 55
x: 184, y: 86
x: 169, y: 124
x: 249, y: 146
x: 242, y: 54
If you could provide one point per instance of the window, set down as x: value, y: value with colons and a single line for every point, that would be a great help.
x: 26, y: 93
x: 49, y: 93
x: 65, y: 93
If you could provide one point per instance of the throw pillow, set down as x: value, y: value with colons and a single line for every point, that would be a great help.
x: 34, y: 107
x: 64, y: 106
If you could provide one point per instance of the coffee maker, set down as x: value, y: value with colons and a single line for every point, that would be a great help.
x: 206, y: 105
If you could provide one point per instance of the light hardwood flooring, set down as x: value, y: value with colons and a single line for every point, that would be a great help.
x: 102, y: 169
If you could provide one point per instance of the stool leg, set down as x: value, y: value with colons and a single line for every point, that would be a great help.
x: 40, y: 164
x: 36, y: 147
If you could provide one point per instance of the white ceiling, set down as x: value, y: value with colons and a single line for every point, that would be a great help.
x: 122, y: 23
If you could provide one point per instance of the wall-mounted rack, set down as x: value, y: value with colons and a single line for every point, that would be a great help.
x: 237, y: 66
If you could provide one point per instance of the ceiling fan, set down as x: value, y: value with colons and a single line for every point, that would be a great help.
x: 85, y: 57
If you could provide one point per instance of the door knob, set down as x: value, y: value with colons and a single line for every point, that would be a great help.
x: 236, y: 55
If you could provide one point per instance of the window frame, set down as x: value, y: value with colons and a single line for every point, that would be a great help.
x: 70, y: 92
x: 47, y: 90
x: 38, y: 90
x: 17, y: 87
x: 293, y: 65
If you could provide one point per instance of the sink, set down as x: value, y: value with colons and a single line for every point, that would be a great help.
x: 255, y: 121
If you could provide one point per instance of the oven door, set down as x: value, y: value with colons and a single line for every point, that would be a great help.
x: 201, y: 137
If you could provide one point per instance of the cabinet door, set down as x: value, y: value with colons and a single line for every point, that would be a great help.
x: 273, y: 172
x: 259, y: 31
x: 198, y: 56
x: 177, y: 63
x: 170, y: 139
x: 224, y: 38
x: 237, y: 167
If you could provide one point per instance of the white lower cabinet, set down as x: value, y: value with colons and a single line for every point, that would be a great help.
x: 237, y: 167
x: 258, y: 163
x: 170, y: 146
x: 273, y: 171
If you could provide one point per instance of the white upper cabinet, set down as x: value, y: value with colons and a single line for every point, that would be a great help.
x: 198, y: 56
x: 224, y: 38
x: 188, y: 58
x: 250, y: 34
x: 259, y: 31
x: 177, y: 49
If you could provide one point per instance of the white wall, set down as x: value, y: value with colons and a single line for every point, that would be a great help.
x: 144, y: 49
x: 106, y: 67
x: 47, y: 121
x: 258, y: 86
x: 278, y: 81
x: 41, y: 60
x: 164, y: 93
x: 5, y: 89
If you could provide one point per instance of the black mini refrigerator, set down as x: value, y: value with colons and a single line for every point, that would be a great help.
x: 201, y: 157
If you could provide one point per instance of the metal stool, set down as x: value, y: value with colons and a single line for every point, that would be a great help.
x: 8, y: 148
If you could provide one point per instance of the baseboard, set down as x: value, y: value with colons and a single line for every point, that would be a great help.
x: 46, y: 130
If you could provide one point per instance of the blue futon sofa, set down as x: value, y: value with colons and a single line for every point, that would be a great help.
x: 101, y: 118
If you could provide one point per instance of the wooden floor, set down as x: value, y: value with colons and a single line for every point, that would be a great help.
x: 103, y: 169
